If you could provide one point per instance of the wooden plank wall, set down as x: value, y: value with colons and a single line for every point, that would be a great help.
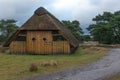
x: 48, y: 48
x: 31, y: 44
x: 47, y: 45
x: 61, y: 47
x: 18, y: 47
x: 39, y: 46
x: 56, y: 47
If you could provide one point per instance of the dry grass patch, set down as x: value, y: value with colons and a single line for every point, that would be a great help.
x: 18, y: 66
x: 92, y: 50
x: 33, y: 67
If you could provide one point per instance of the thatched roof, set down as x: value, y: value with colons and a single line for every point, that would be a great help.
x: 43, y: 20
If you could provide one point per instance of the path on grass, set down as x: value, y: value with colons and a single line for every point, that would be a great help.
x: 107, y: 66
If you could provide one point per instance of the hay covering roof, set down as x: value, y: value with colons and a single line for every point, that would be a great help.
x: 43, y: 20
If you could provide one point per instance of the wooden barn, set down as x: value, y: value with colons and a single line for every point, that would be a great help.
x: 42, y: 34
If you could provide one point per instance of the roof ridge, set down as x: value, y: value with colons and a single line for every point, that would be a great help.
x: 41, y: 11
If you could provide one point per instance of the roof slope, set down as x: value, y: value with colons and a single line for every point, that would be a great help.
x: 40, y: 21
x: 43, y: 20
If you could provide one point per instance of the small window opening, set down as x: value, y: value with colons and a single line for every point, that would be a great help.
x: 58, y: 38
x: 20, y: 38
x: 55, y: 32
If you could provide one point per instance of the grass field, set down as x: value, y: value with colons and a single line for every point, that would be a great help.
x: 17, y: 66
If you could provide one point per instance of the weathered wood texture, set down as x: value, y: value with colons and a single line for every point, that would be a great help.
x: 47, y: 46
x: 18, y: 47
x: 40, y: 42
x: 38, y: 45
x: 61, y: 47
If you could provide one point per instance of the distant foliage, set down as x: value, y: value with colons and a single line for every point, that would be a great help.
x: 87, y: 38
x: 106, y: 28
x: 75, y: 28
x: 7, y: 28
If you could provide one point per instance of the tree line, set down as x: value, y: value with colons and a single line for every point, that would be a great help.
x: 106, y: 28
x: 7, y: 28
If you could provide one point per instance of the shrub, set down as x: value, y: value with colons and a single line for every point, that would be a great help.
x: 33, y: 67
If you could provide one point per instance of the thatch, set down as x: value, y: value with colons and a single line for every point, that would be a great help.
x: 43, y: 20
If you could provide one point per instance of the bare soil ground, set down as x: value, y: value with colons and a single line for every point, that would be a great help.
x: 107, y: 66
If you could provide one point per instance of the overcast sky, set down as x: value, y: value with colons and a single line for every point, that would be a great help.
x: 81, y: 10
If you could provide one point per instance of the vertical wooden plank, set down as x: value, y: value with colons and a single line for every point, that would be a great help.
x: 28, y: 47
x: 36, y: 42
x: 53, y: 47
x: 66, y: 47
x: 18, y: 47
x: 61, y: 47
x: 39, y: 46
x: 41, y: 43
x: 30, y: 42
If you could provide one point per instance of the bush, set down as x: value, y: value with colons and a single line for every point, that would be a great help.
x: 33, y: 67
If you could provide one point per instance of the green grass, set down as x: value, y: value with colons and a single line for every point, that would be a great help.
x: 17, y: 66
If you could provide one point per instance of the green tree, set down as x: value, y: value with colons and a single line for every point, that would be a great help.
x: 7, y: 28
x: 107, y: 28
x: 87, y: 38
x: 75, y: 28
